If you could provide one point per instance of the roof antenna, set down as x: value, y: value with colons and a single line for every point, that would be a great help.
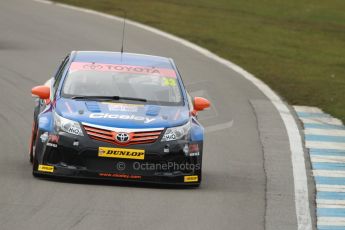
x: 123, y: 30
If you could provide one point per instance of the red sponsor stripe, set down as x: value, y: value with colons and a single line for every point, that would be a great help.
x: 101, y: 131
x: 99, y: 67
x: 97, y: 135
x: 147, y: 134
x: 145, y: 138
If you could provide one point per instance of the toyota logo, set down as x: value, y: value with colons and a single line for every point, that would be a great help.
x: 122, y: 137
x: 92, y: 66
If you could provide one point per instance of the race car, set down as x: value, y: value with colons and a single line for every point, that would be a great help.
x: 117, y: 116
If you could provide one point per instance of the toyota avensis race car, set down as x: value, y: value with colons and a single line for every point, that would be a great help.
x: 117, y: 116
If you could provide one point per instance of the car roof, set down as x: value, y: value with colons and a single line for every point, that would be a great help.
x: 106, y: 57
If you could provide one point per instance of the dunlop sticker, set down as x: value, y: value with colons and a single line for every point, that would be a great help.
x: 137, y: 154
x: 46, y: 168
x: 191, y: 179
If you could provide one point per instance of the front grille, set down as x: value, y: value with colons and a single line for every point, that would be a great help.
x: 135, y: 137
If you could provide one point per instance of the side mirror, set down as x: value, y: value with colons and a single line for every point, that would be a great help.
x: 42, y: 91
x: 201, y: 103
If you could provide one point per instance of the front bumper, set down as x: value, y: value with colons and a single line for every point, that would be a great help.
x: 66, y: 159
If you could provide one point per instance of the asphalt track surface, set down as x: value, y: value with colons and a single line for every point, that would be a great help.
x: 247, y: 181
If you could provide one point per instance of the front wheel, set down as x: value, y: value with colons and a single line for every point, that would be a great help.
x: 32, y: 141
x: 37, y: 147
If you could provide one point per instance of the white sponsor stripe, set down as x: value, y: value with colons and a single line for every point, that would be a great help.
x: 324, y: 145
x: 331, y: 221
x: 327, y: 159
x: 322, y: 120
x: 327, y: 132
x: 307, y: 109
x: 296, y: 146
x: 330, y: 188
x: 329, y: 173
x: 321, y: 203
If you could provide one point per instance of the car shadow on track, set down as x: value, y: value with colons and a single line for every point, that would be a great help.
x: 98, y: 182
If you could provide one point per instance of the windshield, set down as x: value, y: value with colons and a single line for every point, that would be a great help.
x: 108, y: 80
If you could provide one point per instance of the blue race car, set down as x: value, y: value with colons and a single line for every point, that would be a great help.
x: 118, y: 116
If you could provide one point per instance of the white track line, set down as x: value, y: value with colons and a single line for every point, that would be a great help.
x: 330, y: 203
x: 307, y: 109
x: 331, y: 221
x: 321, y: 120
x: 325, y: 145
x: 218, y: 127
x: 329, y: 173
x: 327, y: 159
x: 330, y: 188
x: 325, y: 132
x: 296, y: 147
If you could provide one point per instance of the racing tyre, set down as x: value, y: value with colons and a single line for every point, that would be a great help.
x: 38, y: 146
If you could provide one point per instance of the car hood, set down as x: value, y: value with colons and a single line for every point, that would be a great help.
x: 122, y: 115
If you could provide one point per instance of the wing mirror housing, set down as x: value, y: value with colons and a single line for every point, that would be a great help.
x: 200, y: 104
x: 42, y: 91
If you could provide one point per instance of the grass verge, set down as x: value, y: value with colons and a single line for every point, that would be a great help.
x: 297, y: 47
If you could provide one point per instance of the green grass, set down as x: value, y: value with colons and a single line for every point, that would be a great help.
x: 296, y: 46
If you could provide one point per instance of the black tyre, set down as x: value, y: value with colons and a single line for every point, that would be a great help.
x: 35, y: 155
x: 33, y: 141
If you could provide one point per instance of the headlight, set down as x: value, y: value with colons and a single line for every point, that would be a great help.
x: 176, y: 133
x: 66, y: 125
